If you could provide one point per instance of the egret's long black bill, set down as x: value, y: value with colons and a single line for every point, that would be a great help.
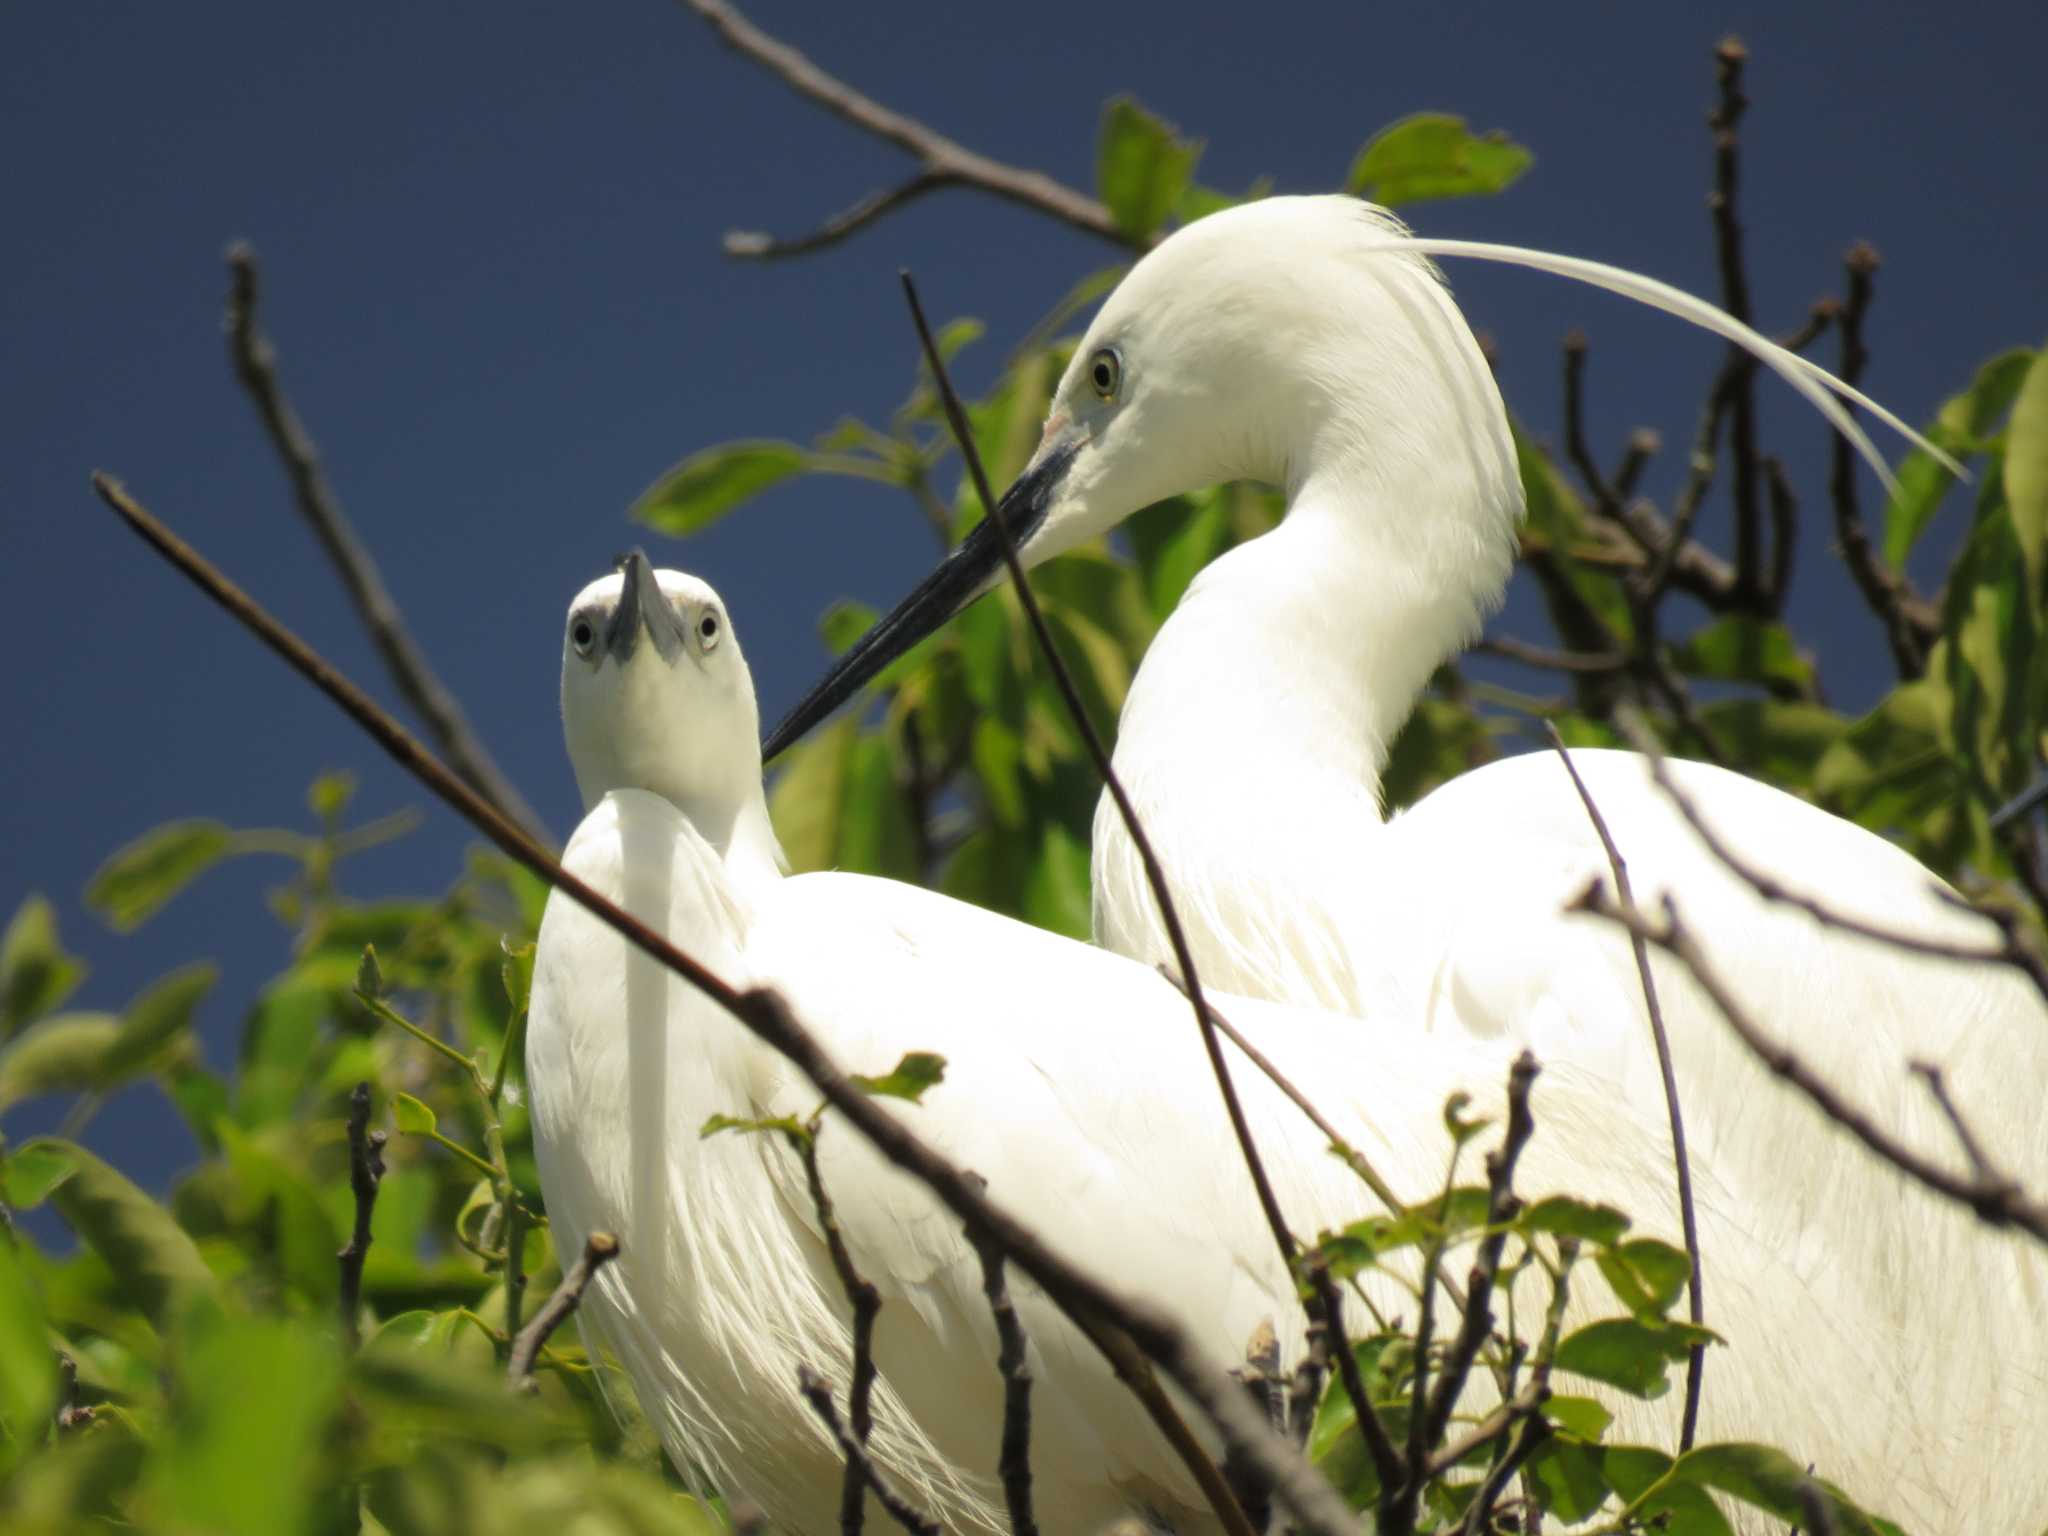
x: 642, y: 609
x: 960, y: 577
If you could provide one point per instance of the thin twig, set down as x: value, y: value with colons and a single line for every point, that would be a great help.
x: 2011, y: 951
x: 1510, y: 649
x: 941, y: 161
x: 1729, y: 57
x: 1695, y: 1364
x: 866, y: 1302
x: 1909, y: 624
x: 1997, y: 1201
x: 1013, y: 1464
x: 1155, y: 873
x: 1379, y: 1445
x: 599, y: 1249
x: 1132, y: 1334
x: 818, y: 1393
x: 1501, y: 1206
x: 365, y: 1172
x: 255, y: 362
x: 1930, y: 1073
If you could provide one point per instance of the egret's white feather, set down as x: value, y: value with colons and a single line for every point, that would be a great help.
x: 1076, y: 1085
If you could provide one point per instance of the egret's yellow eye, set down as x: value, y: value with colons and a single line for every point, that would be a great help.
x: 582, y: 635
x: 707, y: 631
x: 1106, y: 373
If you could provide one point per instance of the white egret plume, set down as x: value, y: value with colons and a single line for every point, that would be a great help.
x: 1283, y: 342
x: 1075, y: 1083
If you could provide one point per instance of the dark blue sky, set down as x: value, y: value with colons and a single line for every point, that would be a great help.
x: 490, y: 234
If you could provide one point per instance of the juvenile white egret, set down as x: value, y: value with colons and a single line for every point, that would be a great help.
x: 1305, y: 342
x: 1076, y: 1085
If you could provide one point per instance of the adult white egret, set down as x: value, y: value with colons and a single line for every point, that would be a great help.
x: 1076, y: 1085
x: 1307, y: 343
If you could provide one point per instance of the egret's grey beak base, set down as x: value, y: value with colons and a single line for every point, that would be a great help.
x: 642, y: 607
x: 962, y: 576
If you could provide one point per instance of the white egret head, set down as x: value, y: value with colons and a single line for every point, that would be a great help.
x: 656, y: 696
x: 1274, y: 341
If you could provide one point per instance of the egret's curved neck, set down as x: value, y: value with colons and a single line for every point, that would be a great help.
x: 1299, y: 656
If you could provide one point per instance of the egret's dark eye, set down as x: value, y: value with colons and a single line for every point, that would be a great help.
x: 1106, y: 373
x: 582, y: 636
x: 707, y: 631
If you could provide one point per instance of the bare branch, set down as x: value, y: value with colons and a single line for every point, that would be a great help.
x: 1973, y: 1149
x: 1131, y: 1333
x: 255, y: 362
x: 1997, y: 1201
x: 1501, y: 1206
x: 1729, y: 57
x: 2012, y: 950
x: 599, y: 1249
x: 1695, y: 1364
x: 818, y: 1393
x: 1508, y: 648
x: 365, y: 1172
x: 765, y: 247
x: 1910, y: 625
x: 941, y: 161
x: 866, y: 1302
x: 1013, y: 1464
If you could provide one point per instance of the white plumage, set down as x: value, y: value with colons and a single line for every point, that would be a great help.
x: 1075, y: 1084
x: 1305, y: 343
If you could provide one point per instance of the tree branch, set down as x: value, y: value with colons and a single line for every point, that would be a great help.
x: 866, y: 1302
x: 255, y: 362
x: 365, y: 1172
x: 2011, y: 950
x: 941, y: 161
x: 1998, y: 1201
x: 1695, y: 1364
x: 1729, y: 57
x: 1013, y: 1463
x: 1910, y: 625
x: 599, y: 1249
x: 861, y: 1470
x: 1130, y: 1333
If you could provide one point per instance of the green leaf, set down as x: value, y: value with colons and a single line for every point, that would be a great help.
x: 1581, y: 1416
x: 61, y: 1054
x: 28, y: 1366
x: 1173, y: 541
x: 131, y: 886
x: 35, y: 973
x: 155, y: 1021
x: 1571, y: 1477
x: 32, y: 1171
x: 710, y: 483
x: 152, y: 1259
x: 1740, y: 649
x: 1960, y: 428
x: 515, y: 973
x: 908, y: 1079
x: 1563, y: 1216
x: 877, y: 833
x: 785, y: 1125
x: 328, y: 796
x: 1056, y: 890
x: 1624, y: 1353
x: 1431, y: 155
x: 1646, y: 1275
x: 843, y: 624
x: 412, y: 1117
x: 807, y: 802
x: 1142, y: 167
x: 2026, y: 473
x: 243, y: 1451
x: 369, y: 975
